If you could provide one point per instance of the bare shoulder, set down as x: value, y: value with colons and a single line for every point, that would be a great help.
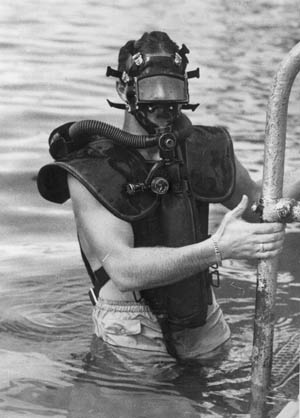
x: 79, y: 194
x: 84, y: 203
x: 93, y: 218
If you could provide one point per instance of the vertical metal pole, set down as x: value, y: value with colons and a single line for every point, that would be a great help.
x: 271, y: 192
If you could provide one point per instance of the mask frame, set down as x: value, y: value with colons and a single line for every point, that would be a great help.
x: 142, y: 68
x: 161, y: 88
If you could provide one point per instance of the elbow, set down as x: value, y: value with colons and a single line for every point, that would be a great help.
x: 118, y: 272
x: 124, y: 288
x: 122, y: 283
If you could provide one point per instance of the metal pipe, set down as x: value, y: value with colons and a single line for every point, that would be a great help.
x: 271, y: 193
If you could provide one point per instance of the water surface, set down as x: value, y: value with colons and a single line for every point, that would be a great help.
x: 54, y: 57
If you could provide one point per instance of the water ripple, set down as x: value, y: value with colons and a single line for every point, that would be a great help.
x: 54, y: 58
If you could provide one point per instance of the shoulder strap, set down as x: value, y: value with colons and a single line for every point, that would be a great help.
x: 99, y: 277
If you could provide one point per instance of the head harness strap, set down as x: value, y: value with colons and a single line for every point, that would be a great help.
x: 145, y: 65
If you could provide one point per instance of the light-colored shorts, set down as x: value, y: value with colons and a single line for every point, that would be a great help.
x: 133, y: 325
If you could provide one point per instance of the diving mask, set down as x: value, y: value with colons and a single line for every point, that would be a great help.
x: 155, y: 80
x: 162, y: 88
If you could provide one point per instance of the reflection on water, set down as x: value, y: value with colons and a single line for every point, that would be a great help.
x: 54, y: 58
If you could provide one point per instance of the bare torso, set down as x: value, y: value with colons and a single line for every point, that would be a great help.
x: 109, y: 291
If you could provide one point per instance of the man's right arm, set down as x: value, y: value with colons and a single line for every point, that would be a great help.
x: 110, y: 240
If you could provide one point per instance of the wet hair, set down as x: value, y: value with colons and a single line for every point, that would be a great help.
x: 150, y: 42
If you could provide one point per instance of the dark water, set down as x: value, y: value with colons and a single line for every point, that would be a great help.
x: 54, y: 56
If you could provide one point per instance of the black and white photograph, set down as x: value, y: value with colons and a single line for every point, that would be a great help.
x: 149, y: 209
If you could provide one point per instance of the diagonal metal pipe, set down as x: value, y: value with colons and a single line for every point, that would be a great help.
x: 274, y: 154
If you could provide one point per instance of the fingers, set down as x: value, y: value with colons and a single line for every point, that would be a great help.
x: 269, y: 254
x: 269, y: 249
x: 265, y: 238
x: 268, y: 228
x: 272, y: 246
x: 240, y: 208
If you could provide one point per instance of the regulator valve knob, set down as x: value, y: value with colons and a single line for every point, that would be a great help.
x: 167, y: 141
x: 159, y: 185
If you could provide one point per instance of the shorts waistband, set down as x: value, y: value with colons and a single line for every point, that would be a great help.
x: 123, y: 306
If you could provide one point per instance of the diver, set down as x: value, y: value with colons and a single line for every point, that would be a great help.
x: 141, y: 200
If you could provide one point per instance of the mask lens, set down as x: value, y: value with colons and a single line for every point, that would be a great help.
x: 162, y: 88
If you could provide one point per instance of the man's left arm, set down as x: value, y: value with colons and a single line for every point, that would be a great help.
x: 246, y: 185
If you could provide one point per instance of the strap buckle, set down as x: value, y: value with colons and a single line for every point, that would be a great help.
x: 214, y: 276
x: 92, y: 296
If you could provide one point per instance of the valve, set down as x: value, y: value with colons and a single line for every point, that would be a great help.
x: 167, y: 141
x: 158, y: 185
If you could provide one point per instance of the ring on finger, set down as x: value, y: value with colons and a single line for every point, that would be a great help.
x: 262, y: 247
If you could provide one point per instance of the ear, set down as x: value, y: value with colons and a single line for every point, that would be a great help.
x: 121, y: 90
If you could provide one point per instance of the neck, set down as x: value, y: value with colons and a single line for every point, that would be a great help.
x: 132, y: 126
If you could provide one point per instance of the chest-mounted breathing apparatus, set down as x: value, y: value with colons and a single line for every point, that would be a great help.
x: 150, y: 81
